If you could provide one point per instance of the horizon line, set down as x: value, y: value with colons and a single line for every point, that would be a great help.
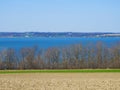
x: 53, y: 32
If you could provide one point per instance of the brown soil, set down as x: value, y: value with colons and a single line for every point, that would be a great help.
x: 60, y: 81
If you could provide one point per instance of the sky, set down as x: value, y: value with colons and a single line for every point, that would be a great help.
x: 59, y: 15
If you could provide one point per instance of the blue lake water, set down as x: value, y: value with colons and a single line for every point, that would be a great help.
x: 18, y: 43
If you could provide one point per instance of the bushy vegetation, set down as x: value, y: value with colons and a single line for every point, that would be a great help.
x: 92, y: 56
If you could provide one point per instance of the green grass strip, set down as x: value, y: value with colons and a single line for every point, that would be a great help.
x: 62, y: 71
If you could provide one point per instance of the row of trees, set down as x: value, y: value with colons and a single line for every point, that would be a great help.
x: 72, y: 57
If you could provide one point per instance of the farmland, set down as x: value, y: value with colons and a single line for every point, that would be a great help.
x: 99, y: 79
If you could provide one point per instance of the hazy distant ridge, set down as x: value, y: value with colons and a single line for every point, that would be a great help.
x: 56, y: 34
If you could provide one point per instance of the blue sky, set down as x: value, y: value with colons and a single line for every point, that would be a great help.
x: 60, y: 15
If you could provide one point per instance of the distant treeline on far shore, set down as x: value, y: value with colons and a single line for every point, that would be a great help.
x: 57, y: 34
x: 92, y: 56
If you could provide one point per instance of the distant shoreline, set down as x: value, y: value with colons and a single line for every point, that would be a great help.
x: 56, y: 34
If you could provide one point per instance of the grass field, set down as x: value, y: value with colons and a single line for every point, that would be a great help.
x: 63, y: 71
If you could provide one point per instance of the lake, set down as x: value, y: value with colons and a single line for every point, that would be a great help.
x: 45, y: 42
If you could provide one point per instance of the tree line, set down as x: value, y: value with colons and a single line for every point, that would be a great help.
x: 78, y: 56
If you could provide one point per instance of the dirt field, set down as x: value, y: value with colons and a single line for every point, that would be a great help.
x: 60, y: 81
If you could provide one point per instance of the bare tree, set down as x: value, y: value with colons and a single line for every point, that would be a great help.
x: 10, y: 59
x: 52, y: 56
x: 28, y: 57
